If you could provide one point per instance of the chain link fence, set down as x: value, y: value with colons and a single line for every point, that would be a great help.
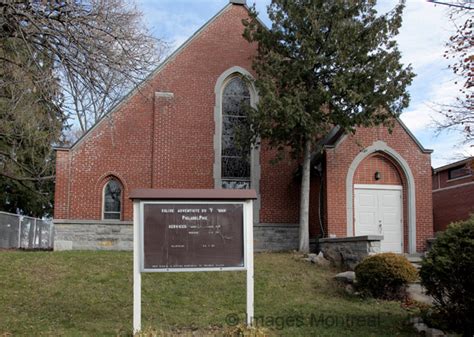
x: 17, y: 231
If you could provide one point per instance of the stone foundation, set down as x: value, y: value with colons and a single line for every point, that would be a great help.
x: 348, y: 252
x: 118, y: 235
x: 93, y: 235
x: 275, y: 237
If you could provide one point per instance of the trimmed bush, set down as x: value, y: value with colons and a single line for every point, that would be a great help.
x: 385, y: 275
x: 448, y: 275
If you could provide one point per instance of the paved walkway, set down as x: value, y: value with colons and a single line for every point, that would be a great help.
x: 417, y: 292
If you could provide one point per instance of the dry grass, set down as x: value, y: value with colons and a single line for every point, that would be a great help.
x: 90, y: 294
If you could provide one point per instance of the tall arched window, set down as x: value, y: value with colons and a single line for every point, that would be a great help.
x: 235, y: 159
x: 112, y: 200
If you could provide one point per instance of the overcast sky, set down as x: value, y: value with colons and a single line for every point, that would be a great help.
x: 424, y: 32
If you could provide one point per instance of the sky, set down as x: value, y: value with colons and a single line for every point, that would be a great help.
x: 425, y: 30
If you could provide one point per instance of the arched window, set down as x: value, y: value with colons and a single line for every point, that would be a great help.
x: 112, y: 200
x: 235, y: 159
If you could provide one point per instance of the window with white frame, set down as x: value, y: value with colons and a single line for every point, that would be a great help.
x: 235, y: 157
x: 112, y: 207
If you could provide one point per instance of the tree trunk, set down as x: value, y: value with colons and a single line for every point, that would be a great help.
x: 304, y: 200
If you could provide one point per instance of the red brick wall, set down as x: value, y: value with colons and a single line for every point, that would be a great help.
x: 279, y: 188
x: 452, y: 198
x: 453, y: 204
x: 61, y: 191
x: 365, y: 173
x: 152, y: 142
x: 435, y: 181
x: 339, y: 159
x: 441, y: 178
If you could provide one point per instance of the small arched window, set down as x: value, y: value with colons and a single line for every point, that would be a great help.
x: 112, y: 200
x: 235, y: 159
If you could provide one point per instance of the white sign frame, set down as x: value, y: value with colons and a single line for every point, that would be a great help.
x: 138, y: 253
x: 164, y: 270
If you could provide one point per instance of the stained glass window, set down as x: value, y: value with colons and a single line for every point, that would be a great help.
x: 235, y: 158
x: 112, y: 200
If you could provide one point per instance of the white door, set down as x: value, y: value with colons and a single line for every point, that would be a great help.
x: 378, y: 211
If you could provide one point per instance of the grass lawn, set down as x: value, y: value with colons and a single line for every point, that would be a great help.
x: 90, y: 294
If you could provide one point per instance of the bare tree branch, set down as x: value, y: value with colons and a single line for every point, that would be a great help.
x: 100, y: 49
x: 459, y: 114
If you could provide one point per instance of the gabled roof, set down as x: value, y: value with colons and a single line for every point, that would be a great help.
x: 337, y: 133
x: 155, y: 72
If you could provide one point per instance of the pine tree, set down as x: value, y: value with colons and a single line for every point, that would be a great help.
x: 30, y: 123
x: 321, y: 64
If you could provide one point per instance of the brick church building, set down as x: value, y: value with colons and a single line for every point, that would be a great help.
x: 175, y: 131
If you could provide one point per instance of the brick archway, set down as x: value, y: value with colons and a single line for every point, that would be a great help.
x: 395, y: 157
x: 389, y: 172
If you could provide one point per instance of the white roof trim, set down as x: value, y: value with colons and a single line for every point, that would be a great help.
x: 407, y: 130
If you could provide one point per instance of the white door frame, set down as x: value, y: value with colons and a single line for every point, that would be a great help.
x: 378, y: 187
x: 381, y: 187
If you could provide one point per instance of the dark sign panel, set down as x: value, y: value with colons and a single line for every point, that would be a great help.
x: 193, y: 235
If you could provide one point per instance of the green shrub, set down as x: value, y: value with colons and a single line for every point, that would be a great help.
x: 385, y: 275
x: 448, y: 275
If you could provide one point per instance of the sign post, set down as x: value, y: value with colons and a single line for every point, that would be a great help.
x: 250, y: 280
x: 192, y: 231
x: 137, y: 276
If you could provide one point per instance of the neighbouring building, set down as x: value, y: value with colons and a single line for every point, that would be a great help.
x: 176, y: 131
x: 453, y: 193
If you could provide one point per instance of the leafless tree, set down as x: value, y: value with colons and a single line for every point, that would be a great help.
x: 459, y: 114
x: 59, y: 61
x: 99, y: 49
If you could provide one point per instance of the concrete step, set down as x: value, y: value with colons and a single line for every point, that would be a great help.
x: 415, y: 259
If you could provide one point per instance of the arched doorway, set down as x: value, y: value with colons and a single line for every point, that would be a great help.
x: 379, y: 188
x: 406, y: 207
